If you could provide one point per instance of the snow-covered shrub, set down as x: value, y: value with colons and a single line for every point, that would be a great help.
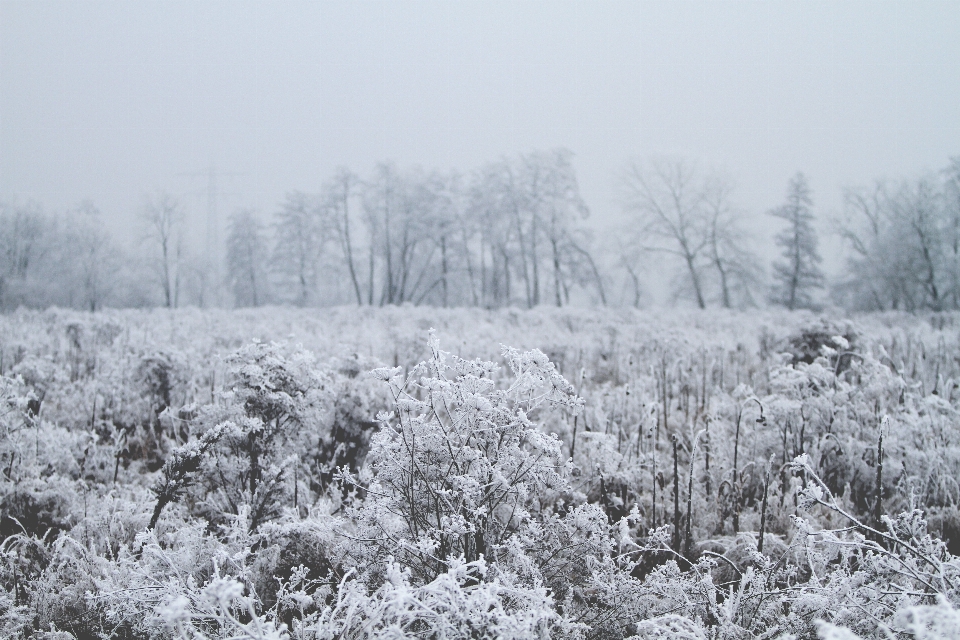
x: 275, y: 403
x: 458, y: 470
x: 870, y: 572
x: 451, y: 605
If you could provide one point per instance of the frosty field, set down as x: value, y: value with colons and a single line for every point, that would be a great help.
x: 414, y: 472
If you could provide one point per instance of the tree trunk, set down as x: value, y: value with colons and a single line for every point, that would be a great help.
x: 168, y: 297
x: 443, y: 266
x: 370, y: 286
x: 556, y: 271
x: 389, y: 286
x: 536, y: 262
x: 695, y: 279
x: 348, y: 246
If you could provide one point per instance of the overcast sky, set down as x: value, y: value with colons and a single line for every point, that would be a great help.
x: 114, y: 100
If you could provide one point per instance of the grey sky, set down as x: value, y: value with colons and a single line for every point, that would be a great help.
x: 112, y: 100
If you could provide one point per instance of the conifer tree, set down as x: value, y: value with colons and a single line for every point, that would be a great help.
x: 798, y: 273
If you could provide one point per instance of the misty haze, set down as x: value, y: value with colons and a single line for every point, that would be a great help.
x: 480, y: 320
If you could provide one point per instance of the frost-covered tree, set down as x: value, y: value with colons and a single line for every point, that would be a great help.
x: 905, y: 242
x: 336, y: 199
x: 951, y: 210
x: 491, y: 199
x: 798, y: 273
x: 920, y: 227
x: 247, y: 260
x: 163, y: 218
x: 66, y: 260
x: 411, y: 222
x: 556, y: 205
x: 531, y: 247
x: 666, y: 198
x: 875, y: 278
x: 97, y: 257
x: 298, y: 244
x: 448, y: 241
x: 21, y: 247
x: 732, y: 263
x: 679, y: 210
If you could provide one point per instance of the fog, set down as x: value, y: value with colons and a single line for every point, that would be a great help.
x: 450, y: 319
x: 114, y: 101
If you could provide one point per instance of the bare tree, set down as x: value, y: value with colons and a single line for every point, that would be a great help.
x: 525, y: 228
x: 917, y: 210
x: 468, y: 234
x: 876, y: 270
x: 527, y: 210
x: 798, y: 273
x: 422, y: 234
x: 67, y: 260
x: 492, y: 206
x: 164, y: 217
x: 247, y: 259
x: 22, y: 230
x: 336, y: 202
x: 553, y: 196
x: 379, y: 208
x: 904, y: 241
x: 736, y: 267
x: 411, y: 223
x: 951, y: 208
x: 95, y: 255
x: 444, y: 216
x: 298, y: 244
x: 667, y: 199
x: 583, y: 268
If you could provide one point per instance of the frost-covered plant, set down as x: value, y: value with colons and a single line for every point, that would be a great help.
x: 185, y: 584
x: 161, y: 373
x: 354, y: 401
x: 458, y: 467
x: 218, y: 610
x: 670, y: 626
x: 573, y: 550
x: 870, y: 572
x: 180, y: 468
x: 940, y: 621
x: 273, y: 407
x: 452, y: 605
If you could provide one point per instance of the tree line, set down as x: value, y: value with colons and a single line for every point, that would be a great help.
x: 513, y: 232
